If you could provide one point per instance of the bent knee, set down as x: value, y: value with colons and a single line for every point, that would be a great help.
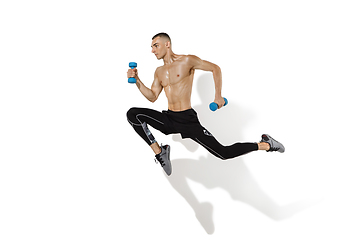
x: 131, y: 113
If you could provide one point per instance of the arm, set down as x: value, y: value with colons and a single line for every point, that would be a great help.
x: 151, y: 94
x: 197, y: 63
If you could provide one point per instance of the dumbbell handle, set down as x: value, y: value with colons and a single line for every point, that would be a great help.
x: 132, y: 65
x: 213, y: 106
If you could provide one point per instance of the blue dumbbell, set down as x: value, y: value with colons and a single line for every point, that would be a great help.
x: 213, y: 106
x: 132, y: 65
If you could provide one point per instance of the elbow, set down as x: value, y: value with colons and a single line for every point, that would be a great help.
x: 152, y: 100
x: 216, y: 72
x: 216, y: 69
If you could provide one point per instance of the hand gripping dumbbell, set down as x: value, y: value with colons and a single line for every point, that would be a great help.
x: 132, y: 65
x: 213, y: 106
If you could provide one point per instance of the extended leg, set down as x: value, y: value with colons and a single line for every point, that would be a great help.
x: 226, y: 152
x: 208, y: 141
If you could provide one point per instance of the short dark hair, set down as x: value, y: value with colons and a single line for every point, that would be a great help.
x: 162, y: 34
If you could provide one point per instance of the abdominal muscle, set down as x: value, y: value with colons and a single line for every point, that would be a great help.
x: 179, y: 96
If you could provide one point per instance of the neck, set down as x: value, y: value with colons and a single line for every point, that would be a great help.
x: 170, y: 57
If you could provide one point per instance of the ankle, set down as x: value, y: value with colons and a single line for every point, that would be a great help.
x: 156, y: 148
x: 157, y: 151
x: 264, y: 146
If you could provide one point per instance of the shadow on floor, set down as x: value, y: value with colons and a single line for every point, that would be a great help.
x: 231, y: 175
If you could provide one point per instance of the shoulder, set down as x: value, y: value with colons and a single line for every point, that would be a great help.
x: 158, y: 69
x: 192, y: 60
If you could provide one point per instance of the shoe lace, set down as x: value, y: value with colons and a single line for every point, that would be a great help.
x: 274, y: 149
x: 158, y: 159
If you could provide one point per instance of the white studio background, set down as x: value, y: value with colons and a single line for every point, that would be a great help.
x: 71, y: 167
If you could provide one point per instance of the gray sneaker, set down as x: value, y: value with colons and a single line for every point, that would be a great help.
x: 164, y: 159
x: 274, y: 145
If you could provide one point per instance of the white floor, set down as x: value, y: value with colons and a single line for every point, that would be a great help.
x: 71, y: 167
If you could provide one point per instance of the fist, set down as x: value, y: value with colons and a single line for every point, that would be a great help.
x: 219, y: 101
x: 132, y: 73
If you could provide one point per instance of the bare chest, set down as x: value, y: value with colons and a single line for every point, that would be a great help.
x: 174, y: 74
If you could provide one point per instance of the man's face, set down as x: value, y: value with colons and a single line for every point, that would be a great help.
x: 158, y: 47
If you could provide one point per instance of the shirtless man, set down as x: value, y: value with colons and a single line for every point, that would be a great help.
x: 176, y: 78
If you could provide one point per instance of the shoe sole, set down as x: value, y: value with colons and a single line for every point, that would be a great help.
x: 168, y: 156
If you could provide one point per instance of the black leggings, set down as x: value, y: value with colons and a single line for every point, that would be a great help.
x: 140, y: 118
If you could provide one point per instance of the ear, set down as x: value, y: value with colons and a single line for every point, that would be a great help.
x: 168, y: 44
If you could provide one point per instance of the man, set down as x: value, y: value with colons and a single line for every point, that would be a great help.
x: 176, y: 78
